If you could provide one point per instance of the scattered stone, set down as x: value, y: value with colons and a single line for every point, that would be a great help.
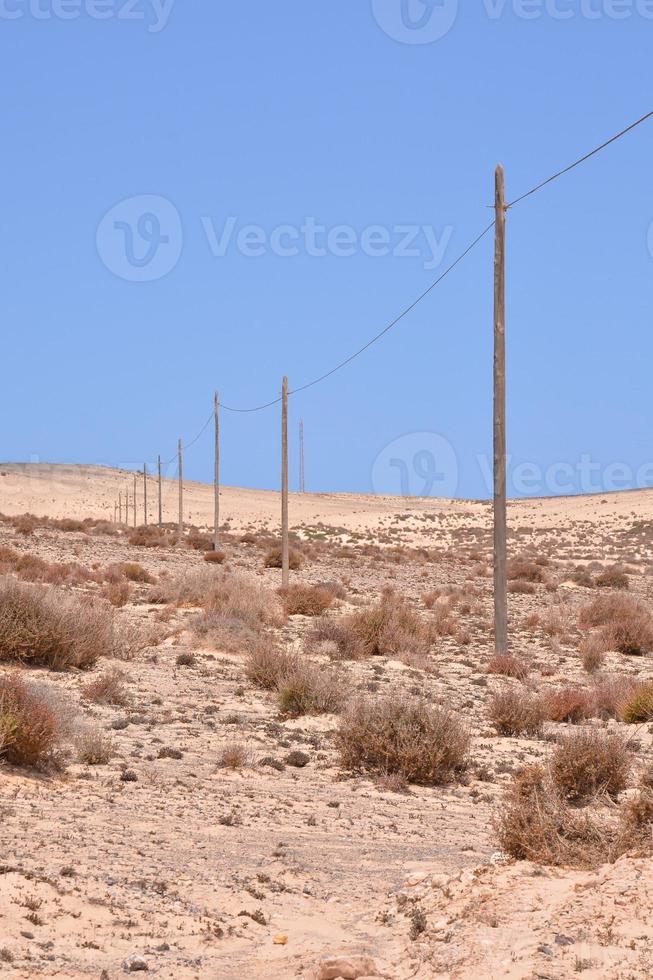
x: 298, y: 759
x: 135, y: 964
x: 280, y: 940
x: 346, y: 968
x: 128, y: 776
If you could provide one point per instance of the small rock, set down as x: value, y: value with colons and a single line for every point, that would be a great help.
x: 346, y: 968
x: 280, y: 940
x: 543, y: 948
x: 135, y: 964
x: 561, y: 940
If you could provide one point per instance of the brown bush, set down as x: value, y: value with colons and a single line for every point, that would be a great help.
x: 514, y: 712
x: 305, y: 600
x: 611, y: 692
x: 108, y: 688
x: 508, y: 666
x: 568, y: 704
x: 592, y: 653
x: 389, y: 628
x: 306, y: 689
x: 267, y: 665
x: 333, y: 637
x: 30, y: 730
x: 535, y: 824
x: 228, y: 633
x: 234, y: 756
x: 588, y: 762
x: 134, y: 572
x: 273, y: 558
x: 199, y: 540
x: 52, y: 629
x: 423, y: 744
x: 94, y: 748
x: 526, y: 570
x: 626, y: 624
x: 613, y: 578
x: 117, y: 593
x: 26, y: 524
x: 519, y: 587
x: 636, y: 823
x: 234, y: 595
x: 149, y: 537
x: 215, y: 557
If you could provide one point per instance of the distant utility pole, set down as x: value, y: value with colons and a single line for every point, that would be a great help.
x: 285, y: 548
x: 115, y: 512
x: 181, y: 489
x: 135, y: 500
x: 500, y: 507
x: 145, y: 494
x: 120, y: 508
x: 302, y: 474
x: 158, y: 464
x: 127, y: 507
x: 216, y: 473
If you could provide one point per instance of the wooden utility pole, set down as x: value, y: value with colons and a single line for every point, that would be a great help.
x: 145, y: 494
x: 285, y: 549
x: 158, y: 463
x: 120, y: 507
x: 500, y: 519
x: 216, y: 474
x: 127, y: 507
x: 134, y: 500
x: 302, y: 474
x: 181, y: 490
x: 115, y: 512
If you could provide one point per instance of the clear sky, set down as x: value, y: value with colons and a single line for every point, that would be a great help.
x: 278, y: 161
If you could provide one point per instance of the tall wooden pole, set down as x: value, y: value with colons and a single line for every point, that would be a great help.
x: 158, y: 463
x: 145, y: 494
x: 134, y: 500
x: 216, y: 474
x: 500, y: 520
x: 285, y: 549
x: 181, y: 490
x: 120, y: 508
x: 127, y: 507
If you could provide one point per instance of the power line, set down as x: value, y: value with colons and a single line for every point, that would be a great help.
x: 577, y: 163
x: 379, y: 335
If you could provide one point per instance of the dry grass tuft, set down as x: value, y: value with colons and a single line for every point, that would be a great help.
x: 613, y: 578
x: 215, y: 557
x: 52, y: 629
x: 134, y: 572
x: 637, y: 707
x: 626, y: 624
x: 592, y: 653
x: 514, y: 712
x: 305, y: 600
x: 507, y: 666
x: 234, y: 756
x: 273, y: 558
x: 568, y: 704
x: 150, y: 537
x: 117, y: 593
x: 108, y: 688
x: 402, y: 736
x: 589, y: 762
x: 307, y: 689
x: 267, y: 666
x: 390, y: 628
x: 236, y: 596
x: 527, y: 570
x: 94, y: 748
x: 30, y: 729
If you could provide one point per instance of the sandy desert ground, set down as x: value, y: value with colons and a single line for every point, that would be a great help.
x: 218, y: 834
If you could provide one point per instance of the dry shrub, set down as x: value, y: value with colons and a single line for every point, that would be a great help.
x: 30, y: 730
x: 407, y: 737
x: 306, y: 689
x: 514, y: 712
x: 26, y: 524
x: 519, y: 587
x: 626, y: 624
x: 273, y: 558
x: 613, y: 578
x: 215, y: 557
x: 227, y: 633
x: 611, y: 692
x: 117, y: 593
x: 389, y: 628
x: 134, y: 572
x: 305, y: 600
x: 526, y: 570
x: 199, y: 540
x: 536, y: 824
x: 52, y: 629
x: 557, y: 620
x: 68, y: 524
x: 333, y: 637
x: 508, y: 666
x: 149, y: 537
x: 108, y: 688
x: 592, y: 653
x: 637, y: 707
x: 267, y: 665
x: 233, y: 595
x: 568, y: 704
x: 94, y: 748
x: 636, y: 823
x: 235, y: 756
x: 589, y: 762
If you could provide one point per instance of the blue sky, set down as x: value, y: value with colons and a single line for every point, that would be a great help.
x: 208, y: 117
